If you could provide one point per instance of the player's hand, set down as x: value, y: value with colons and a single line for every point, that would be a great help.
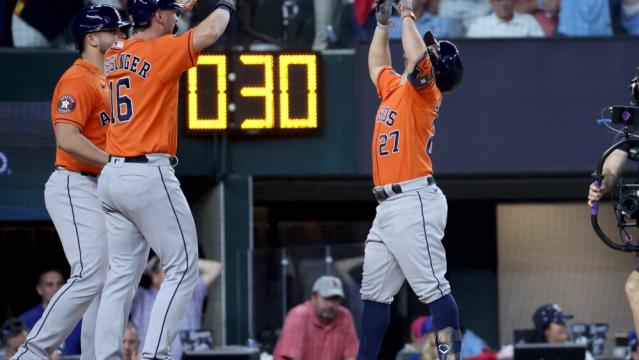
x: 383, y: 11
x: 595, y: 193
x: 188, y: 5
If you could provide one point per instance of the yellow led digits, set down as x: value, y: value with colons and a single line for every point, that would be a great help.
x: 310, y: 61
x: 254, y: 75
x: 266, y: 91
x: 194, y: 121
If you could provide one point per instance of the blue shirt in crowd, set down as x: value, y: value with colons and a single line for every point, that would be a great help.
x: 585, y: 18
x: 71, y: 344
x: 440, y: 26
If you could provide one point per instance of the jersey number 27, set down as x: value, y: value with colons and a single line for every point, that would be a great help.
x: 121, y: 105
x: 384, y: 143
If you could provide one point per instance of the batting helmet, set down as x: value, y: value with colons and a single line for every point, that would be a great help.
x: 142, y: 10
x: 448, y: 67
x: 95, y: 18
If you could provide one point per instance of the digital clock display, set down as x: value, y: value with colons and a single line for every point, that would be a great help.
x: 254, y: 93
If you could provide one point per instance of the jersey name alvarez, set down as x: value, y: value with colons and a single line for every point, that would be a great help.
x: 126, y: 61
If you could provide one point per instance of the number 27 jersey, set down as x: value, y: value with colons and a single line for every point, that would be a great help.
x: 404, y: 125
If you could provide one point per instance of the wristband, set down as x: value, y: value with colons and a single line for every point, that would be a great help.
x: 383, y: 26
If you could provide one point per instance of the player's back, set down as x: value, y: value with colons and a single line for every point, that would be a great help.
x: 404, y: 127
x: 143, y: 79
x: 80, y: 99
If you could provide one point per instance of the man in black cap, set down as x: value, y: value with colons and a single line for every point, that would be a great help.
x: 550, y: 324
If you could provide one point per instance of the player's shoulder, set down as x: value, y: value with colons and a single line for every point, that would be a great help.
x: 387, y: 77
x: 78, y: 78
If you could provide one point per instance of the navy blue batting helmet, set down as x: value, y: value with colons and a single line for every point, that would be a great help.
x: 448, y: 67
x: 142, y: 10
x: 95, y: 18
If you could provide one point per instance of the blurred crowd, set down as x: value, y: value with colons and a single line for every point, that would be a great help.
x: 15, y: 330
x: 321, y: 327
x: 324, y: 24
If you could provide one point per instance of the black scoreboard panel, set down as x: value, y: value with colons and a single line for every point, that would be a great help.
x: 253, y: 93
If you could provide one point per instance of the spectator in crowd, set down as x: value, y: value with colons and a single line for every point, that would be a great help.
x: 585, y: 18
x: 192, y: 320
x: 48, y: 284
x: 546, y: 12
x: 550, y: 324
x: 504, y: 22
x: 416, y: 339
x: 525, y: 6
x: 14, y: 333
x: 319, y: 328
x: 131, y: 343
x: 426, y: 21
x: 464, y: 12
x: 630, y: 16
x: 42, y: 23
x: 428, y: 349
x: 548, y: 16
x: 325, y: 11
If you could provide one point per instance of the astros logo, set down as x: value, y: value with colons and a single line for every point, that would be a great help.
x: 66, y: 104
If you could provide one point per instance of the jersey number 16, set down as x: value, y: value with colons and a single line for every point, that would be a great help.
x: 121, y: 105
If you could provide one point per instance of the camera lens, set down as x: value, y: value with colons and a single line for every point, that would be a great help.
x: 629, y: 205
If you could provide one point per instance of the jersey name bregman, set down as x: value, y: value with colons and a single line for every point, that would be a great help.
x: 126, y: 61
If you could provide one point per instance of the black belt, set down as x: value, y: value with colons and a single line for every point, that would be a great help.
x: 83, y: 173
x: 381, y: 194
x: 141, y: 159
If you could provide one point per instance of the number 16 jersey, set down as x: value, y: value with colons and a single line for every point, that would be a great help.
x: 142, y: 78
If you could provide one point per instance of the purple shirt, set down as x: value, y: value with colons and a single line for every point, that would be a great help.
x: 192, y: 320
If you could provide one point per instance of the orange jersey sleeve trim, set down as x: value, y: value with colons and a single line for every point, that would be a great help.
x: 379, y: 78
x: 68, y: 121
x: 192, y: 54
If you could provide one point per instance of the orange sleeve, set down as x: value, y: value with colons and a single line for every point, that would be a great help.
x: 422, y: 75
x: 385, y: 79
x: 73, y: 102
x: 175, y: 55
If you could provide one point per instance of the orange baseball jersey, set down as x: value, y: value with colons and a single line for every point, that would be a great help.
x: 81, y: 99
x: 404, y: 124
x: 142, y: 77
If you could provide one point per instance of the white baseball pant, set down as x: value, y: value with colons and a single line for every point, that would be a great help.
x: 145, y: 206
x: 73, y: 204
x: 405, y: 242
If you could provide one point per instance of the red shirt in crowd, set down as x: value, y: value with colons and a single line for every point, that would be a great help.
x: 305, y: 337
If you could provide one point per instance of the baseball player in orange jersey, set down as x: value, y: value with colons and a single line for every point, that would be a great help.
x: 141, y: 195
x: 79, y: 111
x: 405, y: 239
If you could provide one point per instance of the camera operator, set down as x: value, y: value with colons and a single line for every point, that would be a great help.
x: 612, y: 169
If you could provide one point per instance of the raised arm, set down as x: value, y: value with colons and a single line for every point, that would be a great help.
x: 211, y: 29
x: 412, y: 42
x: 379, y: 52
